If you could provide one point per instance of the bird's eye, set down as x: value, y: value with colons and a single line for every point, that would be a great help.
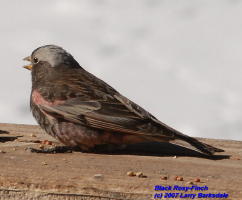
x: 35, y: 60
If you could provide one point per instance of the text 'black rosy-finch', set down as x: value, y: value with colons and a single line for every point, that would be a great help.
x: 81, y: 110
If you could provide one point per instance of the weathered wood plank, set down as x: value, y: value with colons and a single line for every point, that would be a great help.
x: 25, y: 175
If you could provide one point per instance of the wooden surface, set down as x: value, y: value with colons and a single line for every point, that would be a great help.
x: 77, y: 175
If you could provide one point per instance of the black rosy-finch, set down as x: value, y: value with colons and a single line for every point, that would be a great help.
x: 81, y: 110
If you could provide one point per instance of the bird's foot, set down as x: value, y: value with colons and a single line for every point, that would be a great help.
x: 52, y: 150
x: 105, y: 148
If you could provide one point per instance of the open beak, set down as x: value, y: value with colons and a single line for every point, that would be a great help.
x: 29, y: 67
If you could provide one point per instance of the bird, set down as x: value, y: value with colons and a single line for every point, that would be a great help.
x: 81, y: 110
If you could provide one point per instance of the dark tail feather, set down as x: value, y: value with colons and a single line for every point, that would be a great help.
x: 173, y: 134
x: 205, y: 148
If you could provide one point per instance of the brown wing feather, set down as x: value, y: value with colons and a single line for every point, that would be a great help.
x: 103, y: 115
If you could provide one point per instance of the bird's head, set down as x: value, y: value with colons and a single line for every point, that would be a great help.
x: 52, y: 56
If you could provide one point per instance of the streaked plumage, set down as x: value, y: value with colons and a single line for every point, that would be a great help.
x: 79, y: 109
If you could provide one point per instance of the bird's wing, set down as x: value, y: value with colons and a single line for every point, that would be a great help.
x: 91, y: 102
x: 119, y: 115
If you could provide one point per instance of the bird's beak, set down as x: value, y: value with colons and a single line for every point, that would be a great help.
x: 29, y: 67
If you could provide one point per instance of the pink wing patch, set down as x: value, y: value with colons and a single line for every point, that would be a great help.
x: 39, y: 100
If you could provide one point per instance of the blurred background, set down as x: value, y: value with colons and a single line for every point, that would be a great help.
x: 179, y: 59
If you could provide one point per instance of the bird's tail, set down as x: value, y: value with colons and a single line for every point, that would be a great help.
x: 202, y: 147
x: 205, y: 148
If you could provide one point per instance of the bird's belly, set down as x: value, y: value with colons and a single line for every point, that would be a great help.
x: 77, y: 135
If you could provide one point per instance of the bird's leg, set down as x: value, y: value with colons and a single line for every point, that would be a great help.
x: 52, y: 150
